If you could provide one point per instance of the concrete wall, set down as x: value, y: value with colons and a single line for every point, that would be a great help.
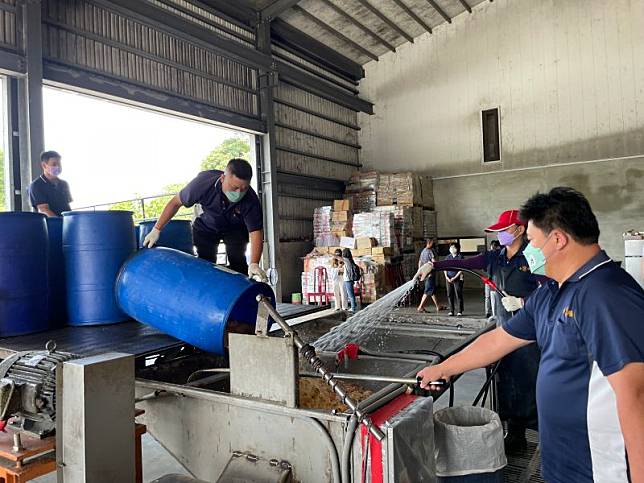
x: 568, y: 77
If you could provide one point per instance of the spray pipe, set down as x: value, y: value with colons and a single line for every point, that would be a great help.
x: 308, y: 352
x: 486, y: 280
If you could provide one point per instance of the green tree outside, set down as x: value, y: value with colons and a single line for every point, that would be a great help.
x: 235, y: 147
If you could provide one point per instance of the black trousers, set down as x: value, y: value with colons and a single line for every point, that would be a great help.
x: 454, y: 294
x: 235, y: 239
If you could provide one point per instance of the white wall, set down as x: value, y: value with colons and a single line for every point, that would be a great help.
x: 568, y: 76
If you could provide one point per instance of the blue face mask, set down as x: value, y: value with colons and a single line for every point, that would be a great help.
x: 234, y: 196
x: 535, y: 258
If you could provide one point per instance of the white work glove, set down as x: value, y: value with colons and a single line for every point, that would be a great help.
x: 512, y: 304
x: 152, y: 238
x: 255, y: 272
x: 424, y: 271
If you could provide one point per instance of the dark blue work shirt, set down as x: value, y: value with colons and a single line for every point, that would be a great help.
x: 511, y: 275
x: 458, y: 256
x: 56, y: 195
x: 587, y: 329
x: 219, y: 214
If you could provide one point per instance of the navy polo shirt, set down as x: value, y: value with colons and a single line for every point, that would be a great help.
x: 449, y: 258
x: 56, y: 195
x: 587, y: 329
x: 219, y: 214
x: 512, y: 275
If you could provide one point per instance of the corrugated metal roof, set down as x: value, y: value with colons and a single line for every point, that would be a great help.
x: 353, y: 26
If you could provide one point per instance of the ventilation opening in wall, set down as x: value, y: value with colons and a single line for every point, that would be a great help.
x: 491, y: 136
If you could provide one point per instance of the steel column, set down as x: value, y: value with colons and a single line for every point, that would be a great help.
x: 30, y: 107
x: 12, y: 156
x: 268, y: 172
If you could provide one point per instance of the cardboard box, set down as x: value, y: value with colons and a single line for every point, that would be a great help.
x: 341, y: 216
x: 347, y: 242
x: 361, y: 252
x: 383, y: 251
x: 366, y: 242
x: 341, y: 233
x: 341, y: 205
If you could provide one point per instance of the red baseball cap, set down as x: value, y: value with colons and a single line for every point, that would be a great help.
x: 506, y: 220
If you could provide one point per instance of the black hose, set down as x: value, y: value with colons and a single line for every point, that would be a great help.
x: 488, y: 381
x: 485, y: 279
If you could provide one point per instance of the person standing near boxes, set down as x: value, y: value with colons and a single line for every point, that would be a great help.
x: 337, y: 278
x: 351, y: 275
x: 427, y: 256
x: 454, y: 281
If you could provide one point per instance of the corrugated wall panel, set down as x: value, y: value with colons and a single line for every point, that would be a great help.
x: 8, y: 38
x: 307, y: 166
x: 316, y: 138
x: 298, y: 208
x: 207, y: 19
x: 296, y: 230
x: 315, y: 146
x: 80, y: 34
x: 291, y: 116
x: 314, y: 103
x: 307, y: 192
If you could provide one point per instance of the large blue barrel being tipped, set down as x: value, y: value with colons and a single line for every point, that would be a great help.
x: 176, y: 234
x: 95, y: 243
x: 186, y: 297
x: 57, y: 285
x: 23, y: 274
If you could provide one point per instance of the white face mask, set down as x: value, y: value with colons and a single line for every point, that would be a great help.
x: 453, y: 250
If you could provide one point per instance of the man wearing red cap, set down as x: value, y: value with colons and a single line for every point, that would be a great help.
x: 517, y: 371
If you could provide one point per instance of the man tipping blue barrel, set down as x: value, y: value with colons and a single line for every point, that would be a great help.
x: 231, y: 212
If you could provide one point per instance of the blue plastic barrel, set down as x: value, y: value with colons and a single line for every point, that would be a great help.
x: 57, y: 285
x: 23, y: 274
x: 186, y: 297
x: 95, y: 244
x: 176, y: 234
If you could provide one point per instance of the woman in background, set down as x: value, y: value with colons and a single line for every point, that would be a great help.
x: 351, y: 275
x: 337, y: 273
x: 454, y: 281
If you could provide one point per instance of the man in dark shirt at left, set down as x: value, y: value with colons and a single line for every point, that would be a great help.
x: 48, y: 193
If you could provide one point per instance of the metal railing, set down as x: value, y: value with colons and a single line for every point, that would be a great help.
x: 138, y: 207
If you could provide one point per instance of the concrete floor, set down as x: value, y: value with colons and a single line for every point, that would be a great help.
x: 158, y: 462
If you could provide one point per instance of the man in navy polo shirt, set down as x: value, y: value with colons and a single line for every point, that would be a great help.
x: 231, y: 212
x: 48, y: 193
x: 588, y: 322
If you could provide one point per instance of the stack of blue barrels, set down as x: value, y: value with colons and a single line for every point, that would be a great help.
x: 83, y: 269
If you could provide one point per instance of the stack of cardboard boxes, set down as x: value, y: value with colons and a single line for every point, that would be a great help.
x: 341, y: 219
x: 384, y: 220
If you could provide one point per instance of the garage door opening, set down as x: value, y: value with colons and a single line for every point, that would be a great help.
x: 118, y: 156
